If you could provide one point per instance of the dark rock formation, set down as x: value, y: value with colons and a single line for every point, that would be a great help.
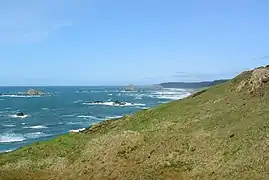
x: 19, y: 114
x: 98, y: 102
x: 119, y: 103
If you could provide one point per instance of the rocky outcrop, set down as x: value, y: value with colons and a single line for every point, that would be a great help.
x: 19, y: 114
x: 131, y: 87
x: 33, y: 92
x: 98, y: 102
x: 118, y: 103
x: 259, y: 77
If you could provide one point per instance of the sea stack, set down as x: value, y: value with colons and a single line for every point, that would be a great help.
x: 33, y: 92
x: 19, y: 114
x: 131, y: 87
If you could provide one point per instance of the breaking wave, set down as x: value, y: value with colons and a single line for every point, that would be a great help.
x: 114, y: 104
x: 16, y: 116
x: 36, y: 127
x: 11, y: 137
x: 35, y: 135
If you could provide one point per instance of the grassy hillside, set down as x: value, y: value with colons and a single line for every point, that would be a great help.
x: 218, y: 133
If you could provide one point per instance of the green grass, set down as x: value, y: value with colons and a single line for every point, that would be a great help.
x: 217, y: 133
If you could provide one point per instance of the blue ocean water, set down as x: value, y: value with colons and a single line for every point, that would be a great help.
x: 69, y: 109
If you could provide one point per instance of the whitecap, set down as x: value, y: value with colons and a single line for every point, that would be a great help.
x: 114, y: 104
x: 84, y: 116
x: 139, y: 104
x: 9, y: 125
x: 78, y: 101
x: 74, y: 123
x: 89, y: 117
x: 36, y: 127
x: 45, y: 109
x: 11, y: 137
x: 68, y: 115
x: 16, y: 116
x: 35, y: 135
x: 8, y: 150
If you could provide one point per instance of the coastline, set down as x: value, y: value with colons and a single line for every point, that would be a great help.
x: 35, y: 130
x: 213, y: 126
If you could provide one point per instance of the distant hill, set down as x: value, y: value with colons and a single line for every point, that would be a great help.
x: 192, y: 85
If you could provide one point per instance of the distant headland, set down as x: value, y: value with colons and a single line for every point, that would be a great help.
x: 192, y: 85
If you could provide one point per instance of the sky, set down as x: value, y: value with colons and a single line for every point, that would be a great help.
x: 119, y: 42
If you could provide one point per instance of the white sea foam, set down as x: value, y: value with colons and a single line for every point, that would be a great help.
x: 68, y: 115
x: 173, y: 97
x: 170, y: 93
x: 5, y: 151
x: 18, y: 96
x: 35, y: 135
x: 123, y: 91
x: 166, y: 93
x: 78, y: 101
x: 45, y: 109
x: 74, y: 123
x: 37, y: 127
x: 90, y: 117
x: 16, y: 116
x: 11, y: 137
x: 115, y: 104
x: 77, y: 130
x: 9, y: 125
x: 112, y: 117
x: 144, y: 107
x: 85, y: 116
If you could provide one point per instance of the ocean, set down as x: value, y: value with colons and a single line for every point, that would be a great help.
x: 70, y: 108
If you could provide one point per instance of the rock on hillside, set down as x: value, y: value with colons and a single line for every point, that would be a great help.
x: 259, y: 77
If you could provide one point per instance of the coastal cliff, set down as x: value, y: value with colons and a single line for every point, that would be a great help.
x: 217, y: 133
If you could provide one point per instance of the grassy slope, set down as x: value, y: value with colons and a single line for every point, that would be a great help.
x: 217, y: 134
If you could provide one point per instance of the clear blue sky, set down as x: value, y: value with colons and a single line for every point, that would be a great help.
x: 105, y: 42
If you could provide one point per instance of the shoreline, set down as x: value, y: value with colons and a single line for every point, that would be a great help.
x: 74, y: 131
